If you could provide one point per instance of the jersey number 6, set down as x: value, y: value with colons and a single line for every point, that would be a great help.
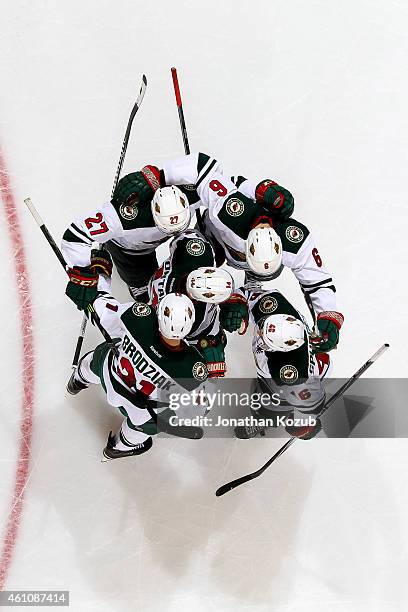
x: 317, y: 258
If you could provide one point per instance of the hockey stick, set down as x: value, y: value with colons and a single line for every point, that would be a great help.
x: 243, y: 479
x: 193, y: 433
x: 134, y: 110
x: 183, y: 130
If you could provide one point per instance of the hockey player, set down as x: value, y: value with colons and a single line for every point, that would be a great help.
x: 132, y: 225
x: 190, y: 270
x: 130, y: 230
x: 150, y: 361
x: 287, y: 363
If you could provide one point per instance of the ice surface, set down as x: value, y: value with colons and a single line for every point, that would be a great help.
x: 312, y: 94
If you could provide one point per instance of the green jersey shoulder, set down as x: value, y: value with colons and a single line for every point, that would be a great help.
x: 265, y: 304
x: 290, y: 368
x: 134, y: 216
x: 238, y: 213
x: 293, y: 235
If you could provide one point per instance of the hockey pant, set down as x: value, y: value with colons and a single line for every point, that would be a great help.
x: 134, y: 269
x: 137, y: 425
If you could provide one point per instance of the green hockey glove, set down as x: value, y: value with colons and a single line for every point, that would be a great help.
x: 82, y: 287
x: 234, y: 314
x: 328, y: 324
x: 137, y: 187
x: 276, y: 199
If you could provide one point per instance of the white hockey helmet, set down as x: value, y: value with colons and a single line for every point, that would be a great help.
x: 264, y: 251
x: 171, y: 210
x: 211, y: 285
x: 282, y: 332
x: 176, y: 315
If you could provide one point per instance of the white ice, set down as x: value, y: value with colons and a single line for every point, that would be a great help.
x: 312, y: 94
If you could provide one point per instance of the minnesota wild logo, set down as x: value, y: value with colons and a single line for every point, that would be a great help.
x: 268, y: 304
x: 200, y: 371
x: 195, y: 247
x: 289, y: 374
x: 235, y: 207
x: 128, y: 211
x: 294, y: 234
x: 141, y: 310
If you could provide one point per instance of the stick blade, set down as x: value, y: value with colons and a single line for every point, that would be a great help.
x: 233, y: 484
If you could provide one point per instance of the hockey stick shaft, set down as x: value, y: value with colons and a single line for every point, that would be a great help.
x: 183, y: 128
x: 243, y: 479
x: 180, y: 110
x: 134, y: 110
x: 125, y: 143
x: 45, y: 231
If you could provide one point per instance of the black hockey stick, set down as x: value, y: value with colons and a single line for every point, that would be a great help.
x: 134, y: 110
x: 193, y: 433
x: 183, y: 130
x: 243, y: 479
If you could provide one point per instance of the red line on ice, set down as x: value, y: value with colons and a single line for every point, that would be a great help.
x: 27, y: 368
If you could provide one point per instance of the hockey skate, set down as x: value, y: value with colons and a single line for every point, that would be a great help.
x: 109, y: 452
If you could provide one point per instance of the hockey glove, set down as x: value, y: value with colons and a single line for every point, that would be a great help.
x: 305, y: 432
x: 328, y: 324
x: 234, y: 314
x: 101, y: 262
x: 82, y: 287
x: 276, y: 199
x: 137, y: 187
x: 212, y: 350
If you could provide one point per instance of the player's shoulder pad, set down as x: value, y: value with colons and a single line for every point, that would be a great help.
x: 289, y: 368
x: 133, y: 216
x: 192, y: 252
x: 238, y: 213
x: 265, y: 303
x: 293, y: 234
x: 190, y: 192
x: 138, y: 317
